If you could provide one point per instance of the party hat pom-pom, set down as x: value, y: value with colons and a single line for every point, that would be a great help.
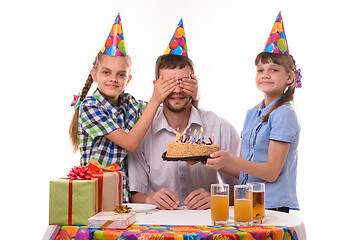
x: 80, y: 173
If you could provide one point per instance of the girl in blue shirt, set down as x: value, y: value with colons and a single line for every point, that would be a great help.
x: 270, y: 135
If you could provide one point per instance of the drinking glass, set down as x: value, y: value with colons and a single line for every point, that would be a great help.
x: 219, y: 204
x: 258, y: 202
x: 243, y: 201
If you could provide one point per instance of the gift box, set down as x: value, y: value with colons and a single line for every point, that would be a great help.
x: 72, y: 202
x: 110, y: 184
x: 111, y: 220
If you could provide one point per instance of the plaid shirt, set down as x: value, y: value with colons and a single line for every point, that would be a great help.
x: 98, y: 117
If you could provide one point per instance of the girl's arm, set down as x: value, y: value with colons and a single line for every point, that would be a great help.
x: 131, y: 140
x: 269, y: 171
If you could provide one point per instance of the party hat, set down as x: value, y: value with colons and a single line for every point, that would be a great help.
x: 277, y: 42
x: 115, y: 44
x: 177, y: 45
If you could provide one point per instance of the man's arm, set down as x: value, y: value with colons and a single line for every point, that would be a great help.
x: 139, y: 183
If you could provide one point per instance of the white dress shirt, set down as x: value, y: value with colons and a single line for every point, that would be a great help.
x: 148, y: 172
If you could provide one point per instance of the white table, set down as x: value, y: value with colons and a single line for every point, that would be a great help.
x: 203, y: 217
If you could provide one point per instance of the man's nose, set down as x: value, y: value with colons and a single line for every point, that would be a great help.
x: 178, y: 89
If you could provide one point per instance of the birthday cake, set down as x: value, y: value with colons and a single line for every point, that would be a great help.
x: 178, y: 149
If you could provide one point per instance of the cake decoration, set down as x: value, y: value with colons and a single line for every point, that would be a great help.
x: 194, y: 141
x: 191, y: 145
x: 201, y: 137
x: 177, y: 135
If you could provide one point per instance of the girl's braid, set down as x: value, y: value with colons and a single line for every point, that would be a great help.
x: 73, y: 129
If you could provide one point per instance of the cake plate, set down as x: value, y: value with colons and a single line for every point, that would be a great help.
x: 194, y: 158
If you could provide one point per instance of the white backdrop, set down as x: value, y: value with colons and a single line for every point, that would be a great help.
x: 47, y: 50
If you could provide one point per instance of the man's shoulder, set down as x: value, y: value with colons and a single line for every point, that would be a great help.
x: 211, y: 117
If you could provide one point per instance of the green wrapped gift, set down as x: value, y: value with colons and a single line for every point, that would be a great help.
x: 72, y: 202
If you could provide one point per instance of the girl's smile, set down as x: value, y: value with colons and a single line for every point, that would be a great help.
x: 272, y: 79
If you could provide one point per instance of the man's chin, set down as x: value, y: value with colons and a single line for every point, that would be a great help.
x: 177, y: 108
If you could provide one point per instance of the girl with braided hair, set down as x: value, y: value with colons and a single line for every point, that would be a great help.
x: 271, y: 130
x: 108, y: 124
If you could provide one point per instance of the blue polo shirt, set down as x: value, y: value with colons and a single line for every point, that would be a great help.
x: 282, y: 126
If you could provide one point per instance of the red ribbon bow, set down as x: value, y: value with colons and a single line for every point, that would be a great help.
x: 95, y: 166
x: 80, y: 173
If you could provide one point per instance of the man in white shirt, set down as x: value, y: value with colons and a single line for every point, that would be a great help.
x: 169, y: 184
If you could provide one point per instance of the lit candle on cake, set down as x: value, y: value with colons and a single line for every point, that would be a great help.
x: 201, y: 135
x: 194, y: 136
x: 213, y: 139
x: 177, y: 135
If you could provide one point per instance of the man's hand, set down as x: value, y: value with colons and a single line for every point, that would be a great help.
x: 164, y: 199
x: 198, y: 199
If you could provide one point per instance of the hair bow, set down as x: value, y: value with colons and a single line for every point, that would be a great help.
x: 298, y: 77
x: 76, y: 102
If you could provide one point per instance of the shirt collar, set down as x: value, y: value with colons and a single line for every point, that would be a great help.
x: 109, y: 105
x: 160, y: 121
x: 262, y: 110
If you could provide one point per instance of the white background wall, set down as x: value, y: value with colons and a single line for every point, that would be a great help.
x: 47, y: 50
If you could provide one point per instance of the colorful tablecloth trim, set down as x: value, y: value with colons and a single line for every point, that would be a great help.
x: 173, y: 232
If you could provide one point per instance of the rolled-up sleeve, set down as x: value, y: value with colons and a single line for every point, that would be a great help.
x: 96, y: 121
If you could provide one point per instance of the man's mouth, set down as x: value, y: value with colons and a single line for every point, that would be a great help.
x: 176, y: 97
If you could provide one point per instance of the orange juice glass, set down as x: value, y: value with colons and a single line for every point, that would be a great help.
x: 243, y: 211
x: 219, y: 204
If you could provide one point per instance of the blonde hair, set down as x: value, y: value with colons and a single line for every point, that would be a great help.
x: 290, y: 65
x: 73, y: 129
